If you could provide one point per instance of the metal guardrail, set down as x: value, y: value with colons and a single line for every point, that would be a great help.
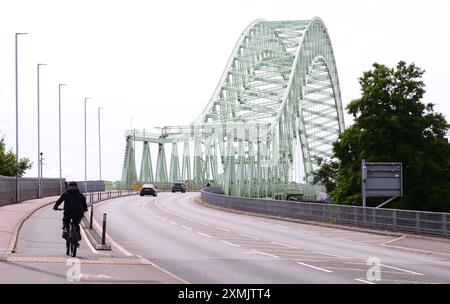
x: 417, y: 222
x: 95, y: 197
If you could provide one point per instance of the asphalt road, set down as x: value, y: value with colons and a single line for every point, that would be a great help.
x: 204, y: 245
x: 171, y: 239
x: 41, y: 258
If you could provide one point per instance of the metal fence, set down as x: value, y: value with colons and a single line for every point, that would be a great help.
x: 418, y: 222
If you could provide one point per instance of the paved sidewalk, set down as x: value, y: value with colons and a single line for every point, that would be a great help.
x: 11, y: 218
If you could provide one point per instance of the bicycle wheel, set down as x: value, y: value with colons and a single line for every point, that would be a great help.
x: 73, y: 247
x: 73, y: 240
x: 68, y: 241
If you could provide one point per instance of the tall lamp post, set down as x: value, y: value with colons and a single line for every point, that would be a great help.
x: 99, y: 145
x: 17, y: 119
x: 59, y: 120
x: 85, y: 149
x: 39, y: 131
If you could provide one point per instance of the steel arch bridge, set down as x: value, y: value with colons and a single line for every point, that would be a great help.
x: 277, y: 104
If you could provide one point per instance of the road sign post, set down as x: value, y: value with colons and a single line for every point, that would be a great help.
x: 381, y: 179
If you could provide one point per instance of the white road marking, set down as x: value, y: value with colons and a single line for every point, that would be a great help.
x: 231, y: 244
x: 162, y: 269
x: 187, y: 228
x: 88, y: 242
x: 114, y: 243
x: 407, y: 271
x: 222, y: 229
x: 416, y: 250
x: 249, y: 236
x: 314, y: 267
x: 173, y: 223
x: 333, y: 255
x: 364, y: 281
x: 204, y: 234
x: 263, y: 253
x: 284, y: 245
x: 394, y: 240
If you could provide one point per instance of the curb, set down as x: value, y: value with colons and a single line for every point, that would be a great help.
x: 93, y: 237
x: 15, y: 234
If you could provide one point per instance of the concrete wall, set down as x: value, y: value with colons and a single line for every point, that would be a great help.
x: 28, y: 187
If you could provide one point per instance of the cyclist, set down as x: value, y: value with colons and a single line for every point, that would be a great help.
x: 74, y: 208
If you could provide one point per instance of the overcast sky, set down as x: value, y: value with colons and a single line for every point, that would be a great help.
x: 160, y: 61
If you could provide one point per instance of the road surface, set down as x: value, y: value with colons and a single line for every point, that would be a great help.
x: 204, y: 245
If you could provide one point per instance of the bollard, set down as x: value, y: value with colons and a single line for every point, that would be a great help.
x: 104, y: 229
x: 91, y: 217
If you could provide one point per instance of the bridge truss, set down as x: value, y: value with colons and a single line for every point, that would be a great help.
x: 277, y: 104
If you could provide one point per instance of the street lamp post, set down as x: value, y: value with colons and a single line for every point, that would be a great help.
x: 17, y: 119
x: 40, y: 164
x: 59, y: 120
x: 99, y: 145
x: 39, y: 131
x: 85, y: 147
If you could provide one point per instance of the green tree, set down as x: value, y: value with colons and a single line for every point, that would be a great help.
x: 326, y: 174
x: 392, y: 124
x: 8, y: 165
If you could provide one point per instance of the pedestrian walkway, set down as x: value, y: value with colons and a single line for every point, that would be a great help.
x: 11, y: 218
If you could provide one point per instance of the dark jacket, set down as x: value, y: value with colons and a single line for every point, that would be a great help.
x: 74, y: 202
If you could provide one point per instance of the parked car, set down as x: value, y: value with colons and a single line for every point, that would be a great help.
x: 179, y: 187
x: 148, y: 189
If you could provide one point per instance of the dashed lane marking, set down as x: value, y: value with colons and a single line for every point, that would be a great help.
x: 404, y: 270
x: 228, y: 243
x: 263, y: 253
x: 187, y: 228
x: 204, y: 234
x: 249, y: 236
x: 222, y: 229
x: 314, y: 267
x: 364, y: 281
x: 333, y: 255
x: 284, y: 245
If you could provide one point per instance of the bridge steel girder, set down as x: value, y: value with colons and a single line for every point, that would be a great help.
x: 146, y: 173
x: 277, y: 100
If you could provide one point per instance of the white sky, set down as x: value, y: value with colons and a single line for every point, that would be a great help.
x: 160, y: 61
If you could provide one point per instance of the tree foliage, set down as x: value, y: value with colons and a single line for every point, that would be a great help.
x: 8, y: 166
x: 392, y: 124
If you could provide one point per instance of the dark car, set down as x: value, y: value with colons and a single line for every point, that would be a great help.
x: 148, y: 189
x: 178, y: 187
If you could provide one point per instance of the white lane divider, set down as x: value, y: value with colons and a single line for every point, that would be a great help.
x: 173, y: 223
x: 263, y: 253
x: 228, y: 243
x: 222, y: 229
x: 364, y: 281
x: 204, y: 234
x: 333, y: 255
x: 162, y: 269
x: 314, y: 267
x: 187, y: 228
x: 404, y: 270
x: 284, y: 245
x: 249, y: 236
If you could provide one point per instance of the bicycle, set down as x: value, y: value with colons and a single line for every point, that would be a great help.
x: 71, y: 238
